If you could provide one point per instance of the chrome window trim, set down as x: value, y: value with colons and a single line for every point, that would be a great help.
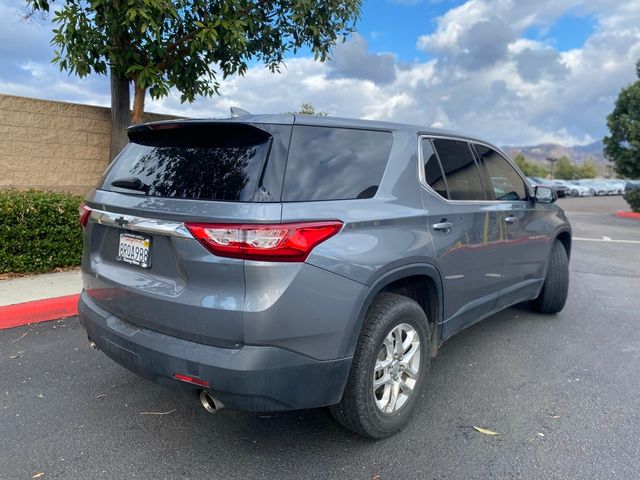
x: 140, y: 224
x: 469, y: 142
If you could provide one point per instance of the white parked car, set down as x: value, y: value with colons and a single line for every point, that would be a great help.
x: 573, y: 188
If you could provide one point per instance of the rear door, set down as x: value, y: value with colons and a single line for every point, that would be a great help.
x: 141, y: 264
x: 467, y: 231
x: 527, y: 239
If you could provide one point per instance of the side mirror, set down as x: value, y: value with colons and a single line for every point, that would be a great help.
x: 545, y: 195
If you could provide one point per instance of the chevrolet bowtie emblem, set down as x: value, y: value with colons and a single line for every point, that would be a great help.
x: 122, y: 221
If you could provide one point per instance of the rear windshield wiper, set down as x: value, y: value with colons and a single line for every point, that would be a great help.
x: 131, y: 183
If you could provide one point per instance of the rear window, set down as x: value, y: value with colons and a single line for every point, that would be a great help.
x: 460, y: 170
x: 335, y: 163
x: 432, y: 169
x: 201, y: 162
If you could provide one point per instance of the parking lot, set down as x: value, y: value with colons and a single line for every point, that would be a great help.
x: 562, y: 392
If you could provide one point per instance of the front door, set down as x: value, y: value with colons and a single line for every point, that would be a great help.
x: 527, y: 239
x: 467, y: 231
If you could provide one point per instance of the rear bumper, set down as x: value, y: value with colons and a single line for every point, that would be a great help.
x: 253, y: 378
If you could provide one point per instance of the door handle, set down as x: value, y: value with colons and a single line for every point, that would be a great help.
x: 510, y: 219
x: 442, y: 226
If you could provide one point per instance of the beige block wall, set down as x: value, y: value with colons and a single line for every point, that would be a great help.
x: 47, y: 145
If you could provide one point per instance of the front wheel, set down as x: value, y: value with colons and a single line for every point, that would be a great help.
x: 389, y: 368
x: 556, y: 284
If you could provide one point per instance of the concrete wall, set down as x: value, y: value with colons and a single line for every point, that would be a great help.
x: 49, y: 145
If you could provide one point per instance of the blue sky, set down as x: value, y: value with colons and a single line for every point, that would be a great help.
x: 514, y: 71
x: 394, y: 26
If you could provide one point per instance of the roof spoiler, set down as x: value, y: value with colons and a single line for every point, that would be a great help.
x: 197, y: 134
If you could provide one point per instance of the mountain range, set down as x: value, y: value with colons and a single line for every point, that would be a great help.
x: 577, y: 153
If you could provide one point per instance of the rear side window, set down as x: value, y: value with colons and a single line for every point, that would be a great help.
x: 432, y: 170
x: 202, y: 162
x: 335, y: 163
x: 504, y: 181
x: 460, y: 170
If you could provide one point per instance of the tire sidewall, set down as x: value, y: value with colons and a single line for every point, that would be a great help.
x: 410, y: 314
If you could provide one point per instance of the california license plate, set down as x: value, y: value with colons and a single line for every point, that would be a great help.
x: 134, y: 249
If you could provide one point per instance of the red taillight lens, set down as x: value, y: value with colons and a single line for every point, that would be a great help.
x: 282, y: 242
x: 84, y: 213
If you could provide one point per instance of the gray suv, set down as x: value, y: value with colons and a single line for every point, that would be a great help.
x: 272, y: 263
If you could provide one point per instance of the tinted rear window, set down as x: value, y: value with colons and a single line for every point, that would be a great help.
x: 222, y: 162
x: 432, y: 169
x: 460, y: 170
x: 335, y: 163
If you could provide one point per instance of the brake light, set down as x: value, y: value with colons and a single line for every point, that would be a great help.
x: 282, y: 242
x: 84, y: 213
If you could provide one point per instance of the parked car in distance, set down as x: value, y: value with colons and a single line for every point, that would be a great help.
x: 271, y: 263
x: 618, y: 185
x: 573, y: 189
x: 603, y: 187
x: 560, y: 190
x: 632, y: 185
x: 606, y: 187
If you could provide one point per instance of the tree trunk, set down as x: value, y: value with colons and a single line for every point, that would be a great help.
x: 120, y: 114
x: 138, y: 105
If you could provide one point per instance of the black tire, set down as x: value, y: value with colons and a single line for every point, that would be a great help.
x: 556, y: 285
x: 357, y: 410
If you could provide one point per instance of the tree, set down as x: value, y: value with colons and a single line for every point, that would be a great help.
x: 530, y: 169
x: 623, y: 145
x: 156, y: 45
x: 588, y: 169
x: 565, y: 170
x: 309, y: 109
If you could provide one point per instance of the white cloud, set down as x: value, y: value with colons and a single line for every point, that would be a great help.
x: 482, y: 76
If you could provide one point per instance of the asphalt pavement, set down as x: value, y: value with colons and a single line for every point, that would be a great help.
x: 562, y: 392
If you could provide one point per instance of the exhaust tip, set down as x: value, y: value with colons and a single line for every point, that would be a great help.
x: 93, y: 345
x: 209, y: 402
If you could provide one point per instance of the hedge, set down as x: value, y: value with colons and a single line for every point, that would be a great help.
x: 39, y: 231
x: 632, y: 196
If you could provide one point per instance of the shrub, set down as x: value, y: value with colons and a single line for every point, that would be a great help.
x: 632, y: 196
x: 39, y: 231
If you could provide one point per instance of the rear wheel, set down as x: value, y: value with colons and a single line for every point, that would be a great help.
x: 556, y: 285
x: 389, y: 368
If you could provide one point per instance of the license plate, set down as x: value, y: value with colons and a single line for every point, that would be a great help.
x: 134, y: 249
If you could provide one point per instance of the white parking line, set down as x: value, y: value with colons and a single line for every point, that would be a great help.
x: 606, y: 240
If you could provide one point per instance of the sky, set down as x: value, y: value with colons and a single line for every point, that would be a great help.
x: 516, y: 72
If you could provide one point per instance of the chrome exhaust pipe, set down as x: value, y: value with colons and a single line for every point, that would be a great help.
x: 93, y: 345
x: 209, y: 402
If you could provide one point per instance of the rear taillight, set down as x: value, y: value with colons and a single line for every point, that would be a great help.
x: 84, y: 213
x: 282, y: 242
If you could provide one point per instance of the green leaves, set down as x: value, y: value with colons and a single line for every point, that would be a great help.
x: 565, y: 170
x: 39, y: 231
x: 632, y: 196
x: 529, y: 168
x: 623, y: 145
x: 159, y: 44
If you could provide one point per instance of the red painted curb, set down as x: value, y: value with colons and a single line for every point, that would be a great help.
x: 623, y: 214
x: 38, y: 311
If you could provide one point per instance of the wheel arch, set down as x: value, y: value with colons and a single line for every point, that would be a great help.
x: 564, y: 236
x: 422, y: 283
